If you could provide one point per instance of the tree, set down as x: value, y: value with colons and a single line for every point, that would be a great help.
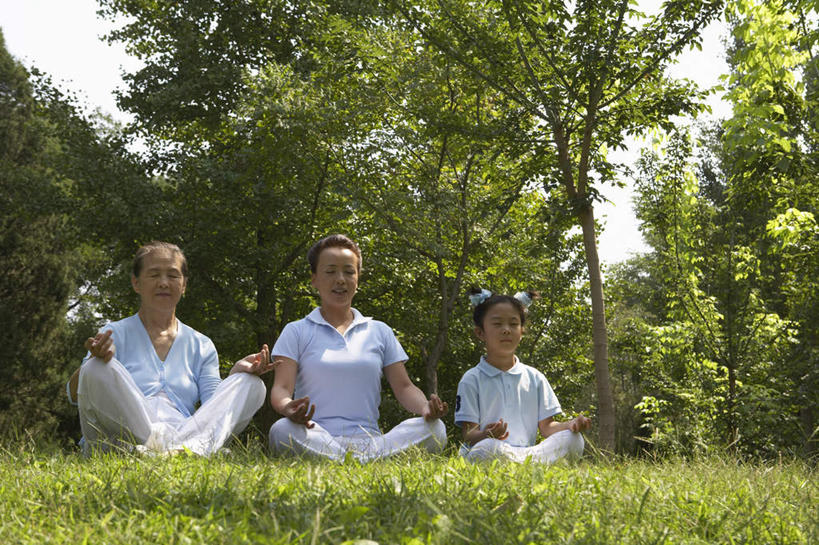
x: 50, y: 154
x: 772, y: 141
x: 590, y: 77
x: 714, y: 274
x: 435, y: 176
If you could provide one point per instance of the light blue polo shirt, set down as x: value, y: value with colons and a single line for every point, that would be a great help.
x: 341, y: 373
x: 521, y: 396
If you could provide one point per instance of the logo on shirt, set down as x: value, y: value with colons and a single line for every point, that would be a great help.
x: 457, y: 403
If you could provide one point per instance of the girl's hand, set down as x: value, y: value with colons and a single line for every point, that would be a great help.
x: 497, y: 430
x: 101, y: 346
x: 300, y: 411
x: 580, y: 423
x: 435, y: 408
x: 255, y: 364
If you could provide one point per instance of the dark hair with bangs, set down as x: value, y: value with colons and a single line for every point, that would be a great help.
x: 332, y: 241
x: 479, y: 313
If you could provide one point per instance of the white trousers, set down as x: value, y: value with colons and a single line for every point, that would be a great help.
x: 558, y: 445
x: 288, y: 437
x: 114, y: 411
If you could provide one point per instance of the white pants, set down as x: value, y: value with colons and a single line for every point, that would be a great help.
x: 288, y: 437
x: 113, y: 409
x: 556, y: 446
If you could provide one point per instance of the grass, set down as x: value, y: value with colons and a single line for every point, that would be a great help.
x: 248, y: 497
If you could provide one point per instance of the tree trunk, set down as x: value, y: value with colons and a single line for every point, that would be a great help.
x: 605, y: 401
x: 435, y: 356
x: 733, y: 429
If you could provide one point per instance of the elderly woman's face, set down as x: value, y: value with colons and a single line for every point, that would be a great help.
x: 336, y: 276
x: 160, y: 283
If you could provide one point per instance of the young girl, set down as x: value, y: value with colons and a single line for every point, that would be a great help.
x: 502, y: 404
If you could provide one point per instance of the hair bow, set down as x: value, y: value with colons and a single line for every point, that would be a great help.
x: 524, y: 297
x: 479, y: 297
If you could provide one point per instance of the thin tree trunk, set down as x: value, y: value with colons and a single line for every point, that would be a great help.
x: 733, y: 429
x: 605, y: 401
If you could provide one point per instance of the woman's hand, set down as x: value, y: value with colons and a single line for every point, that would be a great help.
x: 101, y: 346
x: 255, y: 364
x: 579, y: 423
x: 435, y: 408
x: 497, y: 430
x: 300, y: 411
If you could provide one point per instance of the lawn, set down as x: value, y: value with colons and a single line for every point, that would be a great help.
x: 49, y: 496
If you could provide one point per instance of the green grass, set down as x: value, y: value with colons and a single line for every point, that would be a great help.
x: 53, y: 497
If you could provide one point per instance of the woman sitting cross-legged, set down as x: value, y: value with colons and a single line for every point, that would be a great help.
x: 334, y: 359
x: 144, y: 375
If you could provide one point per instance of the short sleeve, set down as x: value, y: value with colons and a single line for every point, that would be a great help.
x: 393, y: 352
x: 467, y: 408
x: 287, y: 344
x: 548, y: 405
x: 209, y: 377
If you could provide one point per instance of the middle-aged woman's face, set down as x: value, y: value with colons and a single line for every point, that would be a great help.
x: 336, y: 277
x: 160, y: 283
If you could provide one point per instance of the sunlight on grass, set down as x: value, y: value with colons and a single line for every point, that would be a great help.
x: 53, y: 497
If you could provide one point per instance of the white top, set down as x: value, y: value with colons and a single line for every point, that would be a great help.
x: 190, y: 372
x: 341, y: 373
x: 521, y: 396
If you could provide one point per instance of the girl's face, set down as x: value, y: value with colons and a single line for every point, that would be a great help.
x: 336, y: 277
x: 502, y: 329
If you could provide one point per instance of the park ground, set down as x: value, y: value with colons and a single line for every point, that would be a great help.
x: 245, y: 496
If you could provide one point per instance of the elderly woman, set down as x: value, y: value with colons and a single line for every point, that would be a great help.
x: 143, y: 376
x: 334, y: 359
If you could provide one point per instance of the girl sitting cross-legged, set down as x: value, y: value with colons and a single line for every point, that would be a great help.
x: 502, y: 404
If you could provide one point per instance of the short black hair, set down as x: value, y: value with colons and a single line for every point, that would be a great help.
x: 332, y: 241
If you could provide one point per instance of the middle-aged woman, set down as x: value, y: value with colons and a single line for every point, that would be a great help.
x: 144, y: 375
x: 334, y: 359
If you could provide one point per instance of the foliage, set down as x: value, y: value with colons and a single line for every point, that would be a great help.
x: 341, y: 134
x: 51, y: 159
x: 590, y: 73
x: 458, y: 142
x: 712, y: 275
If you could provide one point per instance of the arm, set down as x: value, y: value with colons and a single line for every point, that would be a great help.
x: 281, y: 394
x: 548, y: 426
x: 255, y: 364
x: 472, y: 433
x: 410, y: 396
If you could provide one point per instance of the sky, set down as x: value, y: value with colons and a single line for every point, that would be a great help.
x: 63, y: 39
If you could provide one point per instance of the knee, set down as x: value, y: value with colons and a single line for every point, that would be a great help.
x: 281, y: 434
x: 256, y: 390
x: 572, y: 442
x: 438, y: 432
x: 576, y: 444
x: 94, y: 372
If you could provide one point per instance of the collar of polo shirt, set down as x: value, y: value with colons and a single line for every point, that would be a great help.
x: 493, y: 371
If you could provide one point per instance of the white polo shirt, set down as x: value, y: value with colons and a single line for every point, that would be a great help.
x: 521, y: 396
x: 341, y: 373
